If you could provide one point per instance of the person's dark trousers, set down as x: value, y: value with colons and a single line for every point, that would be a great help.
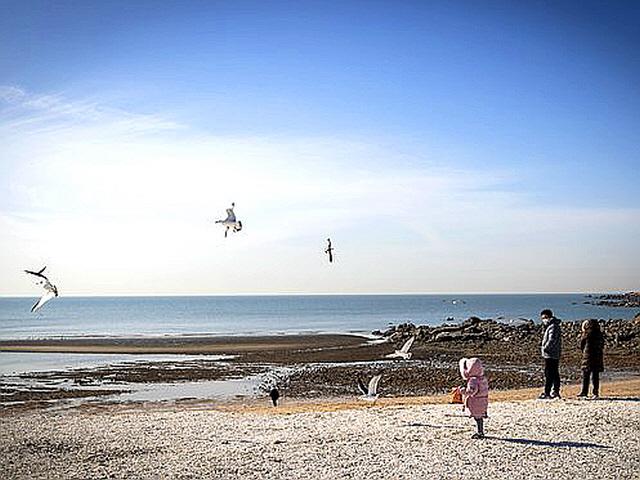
x: 551, y: 376
x: 595, y: 378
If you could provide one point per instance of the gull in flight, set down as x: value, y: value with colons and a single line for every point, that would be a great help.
x: 369, y: 394
x: 404, y: 351
x: 51, y: 291
x: 329, y: 250
x: 230, y: 221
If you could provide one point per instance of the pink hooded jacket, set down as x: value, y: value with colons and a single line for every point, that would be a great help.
x: 476, y: 394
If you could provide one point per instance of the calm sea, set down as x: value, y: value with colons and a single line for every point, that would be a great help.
x: 254, y: 315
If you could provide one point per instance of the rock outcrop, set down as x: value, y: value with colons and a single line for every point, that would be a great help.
x: 619, y: 300
x: 524, y: 332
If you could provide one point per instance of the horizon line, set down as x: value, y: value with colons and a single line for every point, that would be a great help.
x: 320, y: 294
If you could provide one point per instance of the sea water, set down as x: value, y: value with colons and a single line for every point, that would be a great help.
x: 277, y: 314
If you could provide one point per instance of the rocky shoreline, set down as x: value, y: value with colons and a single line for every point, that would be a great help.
x: 510, y: 351
x: 305, y: 370
x: 624, y: 333
x: 618, y: 300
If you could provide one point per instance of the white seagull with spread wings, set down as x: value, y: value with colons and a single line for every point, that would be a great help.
x: 51, y: 291
x: 230, y: 221
x: 404, y: 352
x: 369, y: 394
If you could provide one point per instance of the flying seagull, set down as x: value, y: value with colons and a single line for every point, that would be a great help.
x: 369, y: 393
x: 275, y: 395
x: 51, y: 291
x: 404, y: 351
x: 329, y: 250
x: 230, y: 221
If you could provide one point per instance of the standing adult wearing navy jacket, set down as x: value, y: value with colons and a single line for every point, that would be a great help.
x: 551, y: 349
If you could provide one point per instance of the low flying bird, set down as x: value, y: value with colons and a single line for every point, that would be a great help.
x: 404, y: 352
x: 51, y: 291
x: 369, y: 393
x: 230, y: 221
x: 275, y: 395
x: 329, y: 250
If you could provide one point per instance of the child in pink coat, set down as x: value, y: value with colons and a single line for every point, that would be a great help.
x: 476, y: 394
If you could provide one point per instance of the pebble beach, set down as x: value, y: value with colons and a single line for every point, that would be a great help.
x: 525, y: 439
x: 320, y: 429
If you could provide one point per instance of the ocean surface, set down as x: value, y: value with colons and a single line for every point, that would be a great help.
x: 283, y: 314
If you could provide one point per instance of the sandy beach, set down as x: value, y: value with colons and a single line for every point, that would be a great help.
x: 399, y: 438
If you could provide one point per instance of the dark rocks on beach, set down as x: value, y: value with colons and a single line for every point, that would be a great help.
x: 40, y: 395
x: 473, y: 328
x: 446, y: 336
x: 619, y: 300
x: 397, y: 332
x: 523, y: 334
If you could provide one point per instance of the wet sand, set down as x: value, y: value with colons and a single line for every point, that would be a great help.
x: 181, y: 344
x: 305, y: 367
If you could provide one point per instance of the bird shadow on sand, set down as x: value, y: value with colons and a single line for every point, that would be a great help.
x: 430, y: 425
x: 544, y: 443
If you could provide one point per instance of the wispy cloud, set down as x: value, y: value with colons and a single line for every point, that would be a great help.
x: 27, y: 113
x: 86, y: 183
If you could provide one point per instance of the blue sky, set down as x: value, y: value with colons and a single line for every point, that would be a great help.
x: 463, y: 146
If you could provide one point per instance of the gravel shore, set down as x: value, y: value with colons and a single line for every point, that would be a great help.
x: 526, y: 439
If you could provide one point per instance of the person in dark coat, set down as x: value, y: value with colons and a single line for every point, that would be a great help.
x: 275, y: 395
x: 592, y: 346
x: 551, y: 349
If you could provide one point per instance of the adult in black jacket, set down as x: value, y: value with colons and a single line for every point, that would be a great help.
x: 592, y: 346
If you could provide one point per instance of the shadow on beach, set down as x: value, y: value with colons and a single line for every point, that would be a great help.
x: 619, y: 399
x: 430, y: 425
x: 543, y: 443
